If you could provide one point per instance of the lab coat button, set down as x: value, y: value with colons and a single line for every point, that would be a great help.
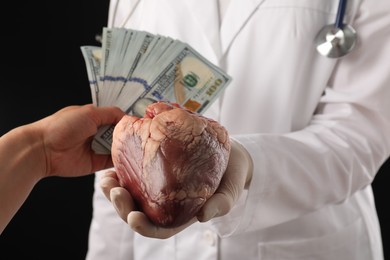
x: 210, y: 237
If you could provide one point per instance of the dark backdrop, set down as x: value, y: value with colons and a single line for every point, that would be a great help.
x: 43, y: 71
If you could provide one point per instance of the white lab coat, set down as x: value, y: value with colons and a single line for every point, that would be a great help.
x: 318, y: 129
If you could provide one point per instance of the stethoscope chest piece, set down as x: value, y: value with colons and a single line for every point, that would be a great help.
x: 335, y: 42
x: 338, y: 39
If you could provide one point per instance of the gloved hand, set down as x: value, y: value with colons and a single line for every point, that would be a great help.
x: 125, y: 207
x: 237, y: 177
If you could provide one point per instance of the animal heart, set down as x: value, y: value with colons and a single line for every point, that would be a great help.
x: 171, y: 161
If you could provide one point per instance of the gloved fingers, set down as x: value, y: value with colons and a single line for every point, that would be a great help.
x: 140, y: 223
x: 119, y: 196
x: 122, y: 202
x: 108, y: 181
x: 218, y: 205
x: 223, y: 200
x: 237, y: 175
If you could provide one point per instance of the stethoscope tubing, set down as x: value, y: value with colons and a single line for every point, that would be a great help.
x: 340, y: 14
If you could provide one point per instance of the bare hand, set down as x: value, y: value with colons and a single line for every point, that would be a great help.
x: 67, y: 135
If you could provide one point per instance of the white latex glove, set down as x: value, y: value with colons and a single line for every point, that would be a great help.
x: 125, y: 207
x: 237, y: 177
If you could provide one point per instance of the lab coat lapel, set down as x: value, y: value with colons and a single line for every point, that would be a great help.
x: 205, y: 12
x: 237, y: 15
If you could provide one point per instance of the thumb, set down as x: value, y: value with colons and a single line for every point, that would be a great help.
x: 237, y: 174
x: 223, y: 200
x: 218, y: 205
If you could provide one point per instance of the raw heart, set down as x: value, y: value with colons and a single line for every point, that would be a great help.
x: 171, y: 161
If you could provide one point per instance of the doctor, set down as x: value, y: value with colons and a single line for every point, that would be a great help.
x: 315, y: 128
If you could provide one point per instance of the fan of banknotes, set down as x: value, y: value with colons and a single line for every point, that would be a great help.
x: 132, y: 69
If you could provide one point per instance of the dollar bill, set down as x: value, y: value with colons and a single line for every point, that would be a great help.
x: 133, y: 69
x: 92, y: 62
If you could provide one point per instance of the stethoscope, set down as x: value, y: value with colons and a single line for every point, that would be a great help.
x: 338, y: 39
x: 333, y: 40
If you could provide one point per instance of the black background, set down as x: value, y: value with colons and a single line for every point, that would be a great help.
x: 43, y: 71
